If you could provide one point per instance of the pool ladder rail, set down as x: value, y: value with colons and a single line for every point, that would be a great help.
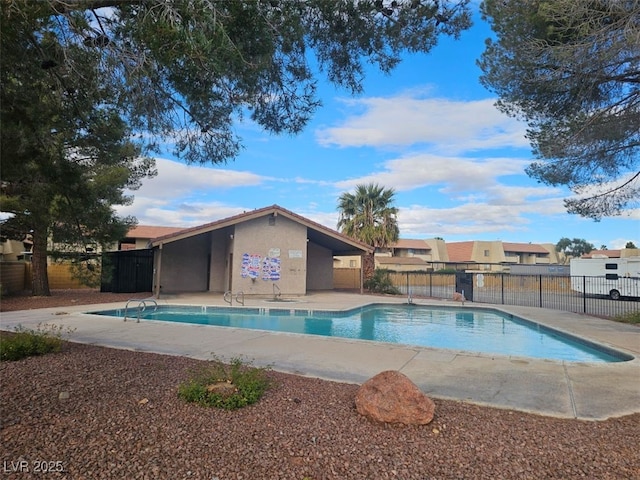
x: 140, y: 307
x: 228, y: 297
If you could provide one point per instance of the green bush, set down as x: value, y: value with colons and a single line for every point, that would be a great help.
x: 381, y: 282
x: 27, y: 343
x: 227, y: 386
x: 630, y: 317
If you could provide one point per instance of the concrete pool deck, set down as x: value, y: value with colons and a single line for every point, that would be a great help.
x: 591, y: 391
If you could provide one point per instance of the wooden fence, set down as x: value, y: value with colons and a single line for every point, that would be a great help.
x: 16, y: 277
x: 346, y: 278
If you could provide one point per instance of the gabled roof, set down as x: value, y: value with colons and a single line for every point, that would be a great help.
x: 150, y: 231
x: 335, y: 241
x: 411, y: 244
x: 524, y: 248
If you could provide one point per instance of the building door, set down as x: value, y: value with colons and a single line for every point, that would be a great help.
x: 464, y: 284
x: 127, y: 271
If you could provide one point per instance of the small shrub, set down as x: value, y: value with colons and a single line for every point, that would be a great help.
x: 27, y: 343
x: 446, y: 270
x: 381, y: 283
x: 227, y: 386
x: 629, y: 317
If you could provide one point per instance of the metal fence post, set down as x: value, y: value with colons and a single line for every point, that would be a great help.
x: 408, y: 292
x: 431, y: 284
x: 540, y: 288
x: 584, y: 294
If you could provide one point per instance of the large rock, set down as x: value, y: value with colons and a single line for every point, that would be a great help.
x: 390, y: 397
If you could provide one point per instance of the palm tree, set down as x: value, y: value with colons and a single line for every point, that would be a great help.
x: 369, y: 216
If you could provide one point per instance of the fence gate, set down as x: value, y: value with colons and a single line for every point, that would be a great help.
x: 127, y: 271
x: 464, y: 283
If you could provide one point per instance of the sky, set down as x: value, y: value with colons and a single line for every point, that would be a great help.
x: 429, y: 130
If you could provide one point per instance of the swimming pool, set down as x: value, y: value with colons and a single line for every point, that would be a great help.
x: 470, y: 329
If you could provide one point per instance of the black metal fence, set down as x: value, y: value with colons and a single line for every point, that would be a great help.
x: 590, y: 295
x: 127, y: 271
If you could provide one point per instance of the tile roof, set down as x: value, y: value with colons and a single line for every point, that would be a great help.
x: 150, y: 231
x: 410, y: 243
x: 460, y: 251
x: 603, y: 253
x: 523, y: 248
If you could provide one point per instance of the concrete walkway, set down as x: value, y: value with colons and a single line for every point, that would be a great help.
x: 557, y: 388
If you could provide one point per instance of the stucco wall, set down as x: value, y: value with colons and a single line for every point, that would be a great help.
x: 279, y: 239
x: 496, y: 253
x: 319, y: 267
x: 184, y: 265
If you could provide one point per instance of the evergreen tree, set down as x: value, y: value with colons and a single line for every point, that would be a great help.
x: 571, y: 69
x: 89, y: 85
x: 65, y: 155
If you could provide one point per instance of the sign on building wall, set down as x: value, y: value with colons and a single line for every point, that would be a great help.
x: 250, y: 265
x: 271, y: 269
x: 255, y: 266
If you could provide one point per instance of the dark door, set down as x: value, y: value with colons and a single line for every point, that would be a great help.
x: 464, y: 284
x: 127, y: 271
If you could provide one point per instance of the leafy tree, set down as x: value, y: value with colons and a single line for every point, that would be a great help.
x: 186, y: 70
x: 87, y: 85
x: 571, y: 69
x: 573, y: 248
x: 368, y: 215
x: 630, y: 245
x: 65, y: 154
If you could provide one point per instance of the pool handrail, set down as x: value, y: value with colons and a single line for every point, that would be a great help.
x: 142, y: 302
x: 228, y: 297
x: 240, y: 298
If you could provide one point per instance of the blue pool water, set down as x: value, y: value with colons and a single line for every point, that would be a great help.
x: 478, y: 330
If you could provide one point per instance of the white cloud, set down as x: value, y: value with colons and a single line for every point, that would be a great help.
x: 187, y: 215
x: 458, y: 174
x: 175, y: 179
x: 461, y: 179
x: 175, y: 196
x: 404, y: 120
x: 467, y: 220
x: 620, y: 243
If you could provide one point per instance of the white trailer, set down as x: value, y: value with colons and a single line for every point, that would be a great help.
x: 615, y: 277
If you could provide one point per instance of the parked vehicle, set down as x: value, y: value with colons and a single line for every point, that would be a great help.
x: 615, y: 277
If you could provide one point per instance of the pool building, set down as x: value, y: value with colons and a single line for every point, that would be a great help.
x: 263, y: 252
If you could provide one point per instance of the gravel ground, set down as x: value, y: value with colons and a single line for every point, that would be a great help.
x: 123, y: 420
